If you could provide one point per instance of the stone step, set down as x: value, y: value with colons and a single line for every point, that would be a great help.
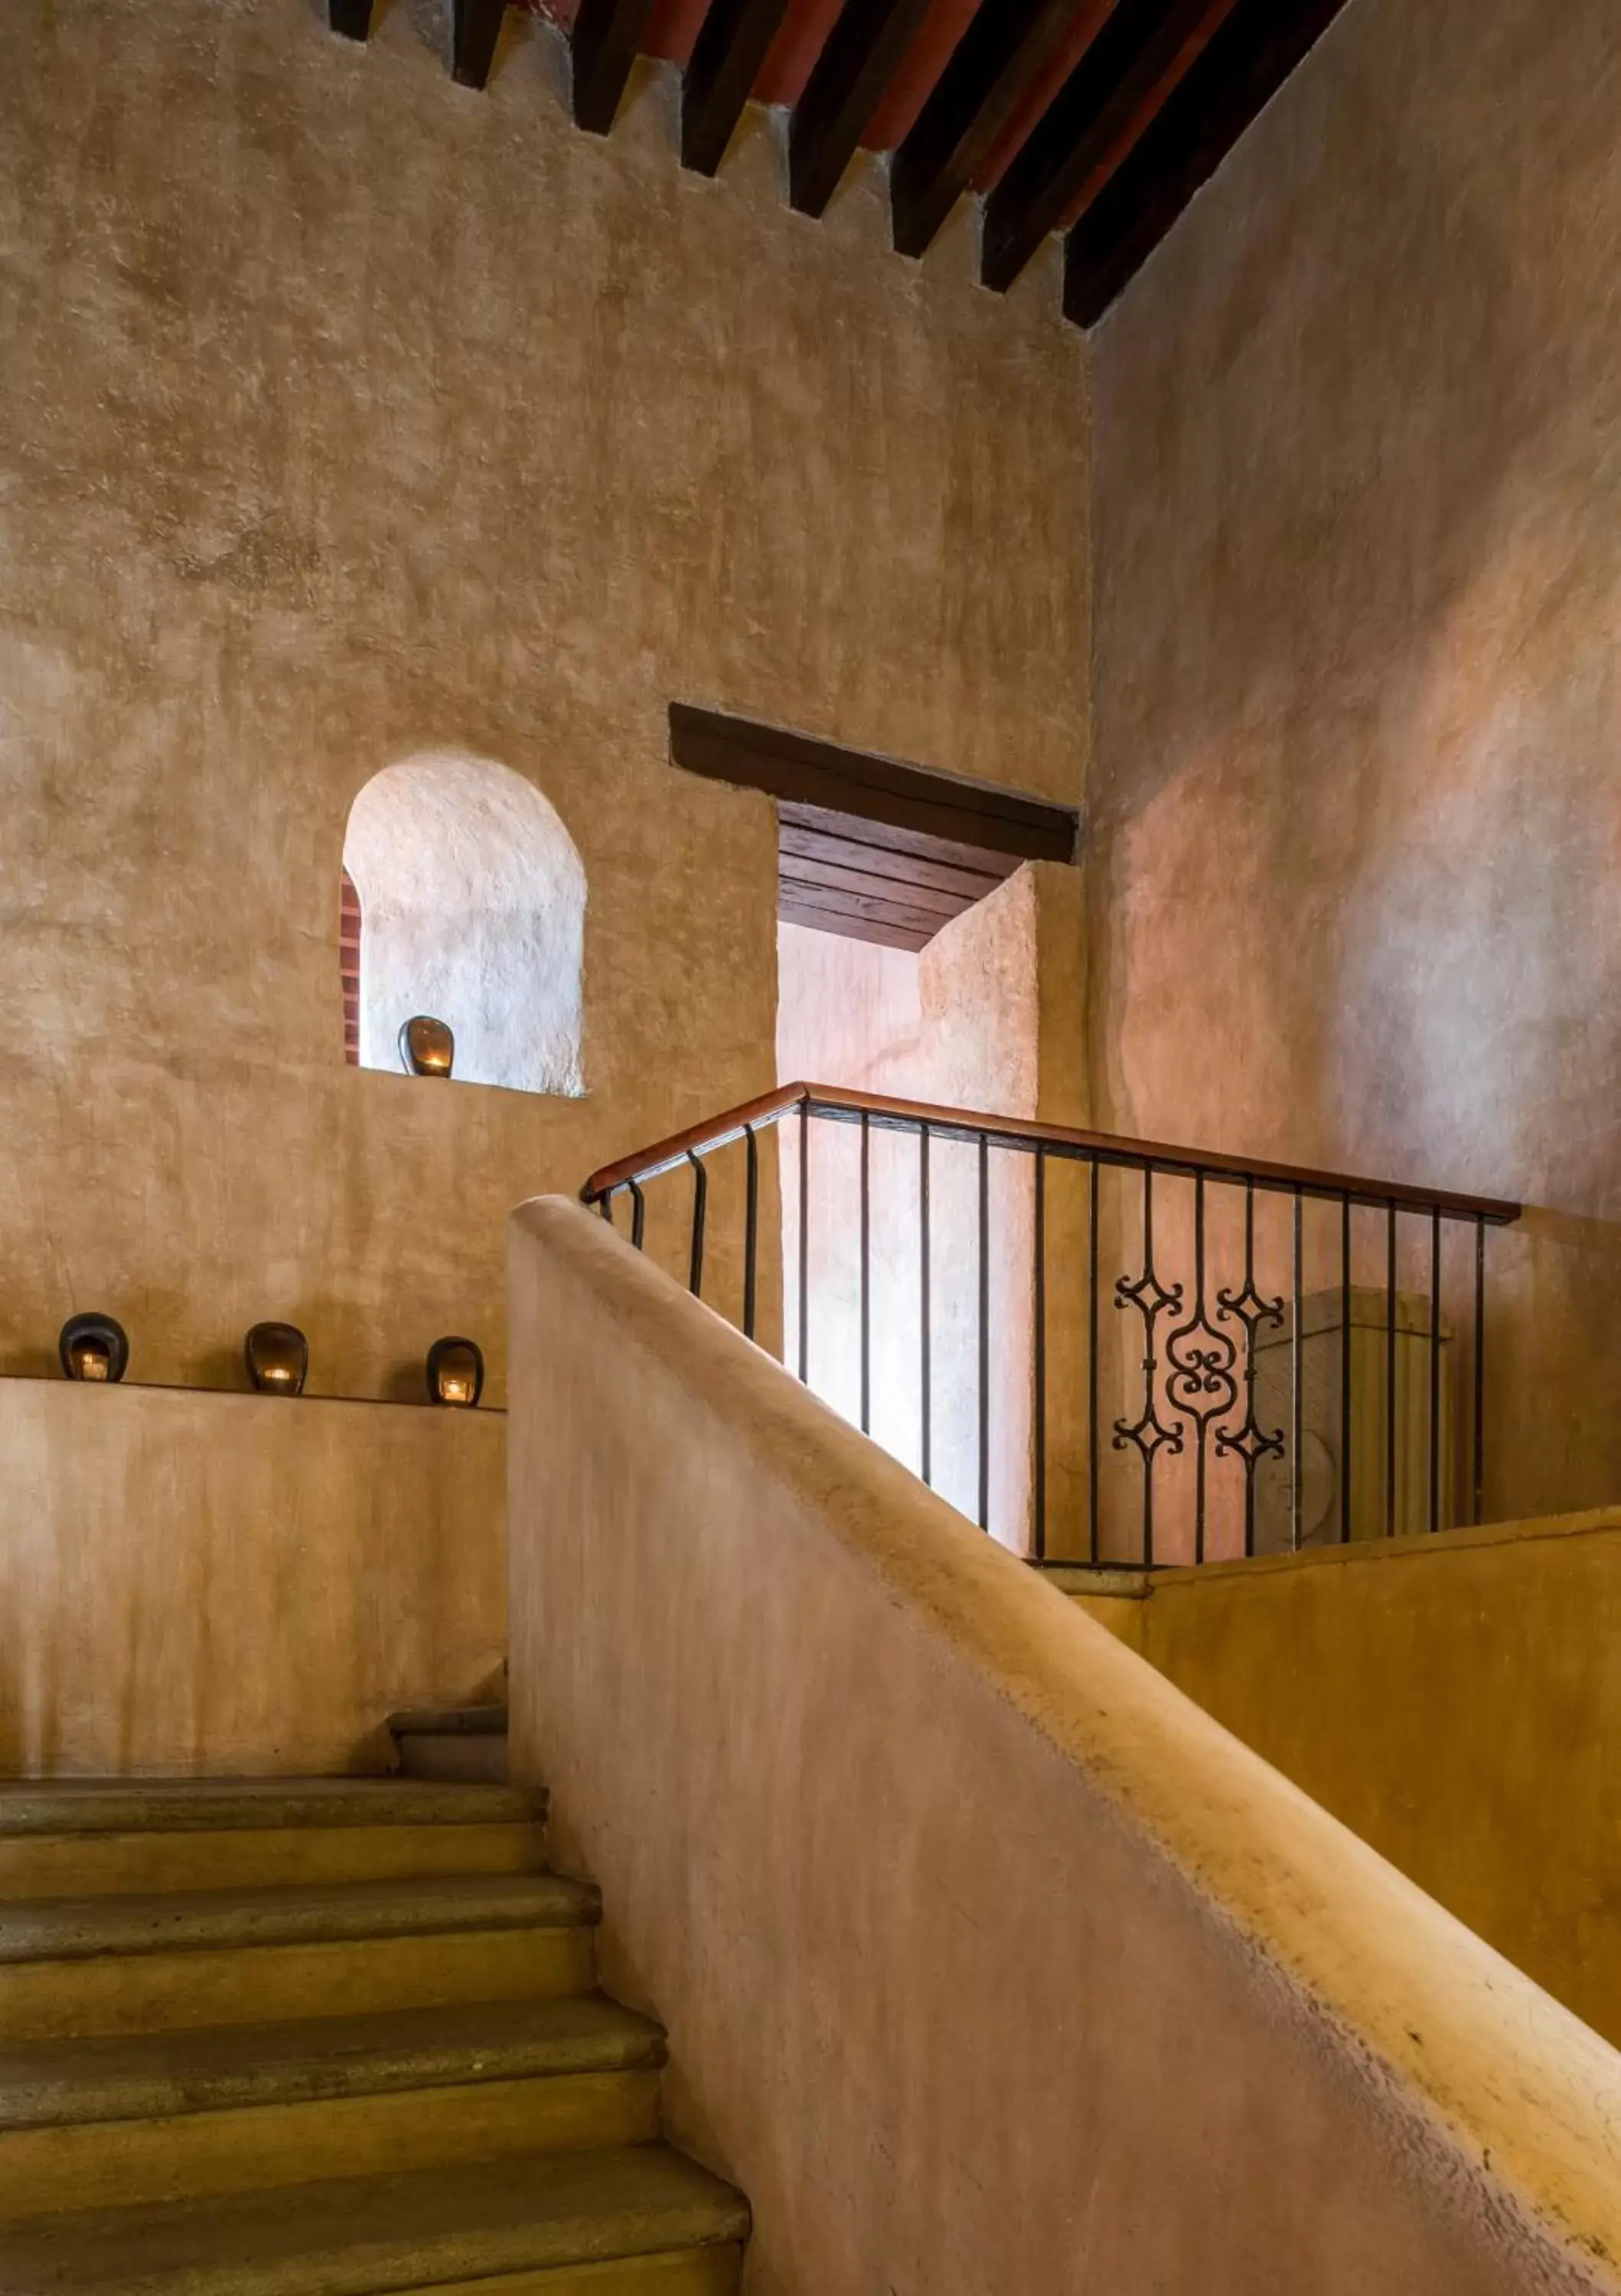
x: 465, y: 1743
x: 532, y: 2224
x: 143, y: 2077
x: 143, y: 1862
x: 122, y: 1964
x: 180, y: 1804
x: 61, y: 1929
x: 232, y: 2109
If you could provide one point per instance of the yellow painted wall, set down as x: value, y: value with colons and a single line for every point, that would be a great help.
x: 233, y: 1585
x: 1455, y: 1700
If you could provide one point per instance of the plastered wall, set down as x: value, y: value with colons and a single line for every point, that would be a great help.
x: 989, y: 1963
x: 1355, y: 818
x: 240, y: 1585
x: 346, y: 414
x: 1453, y: 1699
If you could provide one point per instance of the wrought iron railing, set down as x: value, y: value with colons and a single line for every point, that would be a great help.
x: 1275, y: 1367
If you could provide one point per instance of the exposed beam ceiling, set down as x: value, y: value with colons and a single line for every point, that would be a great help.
x: 608, y: 37
x: 1093, y: 119
x: 972, y: 102
x: 865, y: 51
x: 727, y: 61
x: 476, y: 27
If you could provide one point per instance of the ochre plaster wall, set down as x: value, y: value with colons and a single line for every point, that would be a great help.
x: 1456, y: 1700
x: 234, y: 1585
x: 989, y: 1963
x: 1355, y: 816
x: 347, y: 415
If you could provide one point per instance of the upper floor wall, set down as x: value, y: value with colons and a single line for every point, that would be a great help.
x: 349, y: 415
x: 1355, y: 868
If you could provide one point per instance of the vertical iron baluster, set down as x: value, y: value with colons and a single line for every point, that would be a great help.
x: 924, y: 1411
x: 700, y: 1207
x: 638, y: 1216
x: 1092, y: 1360
x: 1249, y: 1364
x: 1149, y: 1370
x: 1344, y: 1368
x: 1199, y: 1422
x: 1039, y: 1307
x: 751, y: 1231
x: 985, y: 1330
x: 1478, y: 1446
x: 604, y: 1204
x: 1297, y: 1389
x: 866, y: 1278
x: 805, y: 1242
x: 1390, y: 1371
x: 1434, y: 1371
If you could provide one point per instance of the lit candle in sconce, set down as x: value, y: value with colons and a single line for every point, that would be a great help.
x: 95, y: 1349
x: 455, y: 1374
x: 427, y: 1046
x: 277, y: 1356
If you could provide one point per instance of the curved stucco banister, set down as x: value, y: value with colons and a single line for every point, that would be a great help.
x: 991, y: 1963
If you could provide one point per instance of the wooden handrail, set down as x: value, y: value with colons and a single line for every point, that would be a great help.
x: 834, y: 1100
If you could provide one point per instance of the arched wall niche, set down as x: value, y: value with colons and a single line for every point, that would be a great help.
x: 473, y: 898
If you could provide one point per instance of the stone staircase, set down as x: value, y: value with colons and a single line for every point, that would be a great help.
x: 324, y: 2039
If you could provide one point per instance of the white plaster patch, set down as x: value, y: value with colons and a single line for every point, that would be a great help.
x: 472, y: 900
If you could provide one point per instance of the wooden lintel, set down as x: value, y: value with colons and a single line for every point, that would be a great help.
x: 797, y: 769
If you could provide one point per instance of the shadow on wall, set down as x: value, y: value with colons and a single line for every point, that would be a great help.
x: 473, y: 901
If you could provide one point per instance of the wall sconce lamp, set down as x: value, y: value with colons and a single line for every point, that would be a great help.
x: 427, y: 1046
x: 277, y: 1356
x: 93, y: 1348
x: 456, y: 1373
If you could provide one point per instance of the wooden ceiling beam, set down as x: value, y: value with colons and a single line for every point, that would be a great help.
x: 993, y: 64
x: 727, y: 59
x: 607, y: 37
x: 1110, y: 100
x: 352, y: 18
x: 1234, y: 82
x: 476, y: 28
x: 863, y: 52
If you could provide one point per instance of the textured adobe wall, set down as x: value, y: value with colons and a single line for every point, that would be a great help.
x: 347, y: 414
x: 233, y: 1585
x: 1356, y: 810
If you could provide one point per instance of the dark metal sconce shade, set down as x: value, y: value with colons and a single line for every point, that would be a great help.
x: 93, y: 1348
x: 455, y: 1374
x: 427, y: 1046
x: 277, y: 1356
